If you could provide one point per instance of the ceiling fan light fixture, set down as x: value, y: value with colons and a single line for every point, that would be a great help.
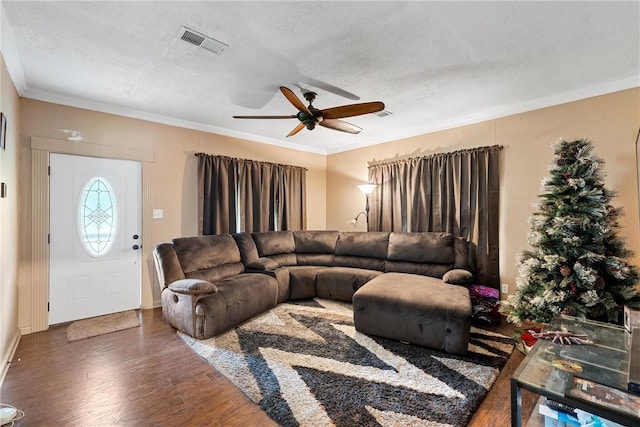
x: 200, y: 40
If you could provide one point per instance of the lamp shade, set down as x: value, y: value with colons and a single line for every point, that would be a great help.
x: 367, y: 188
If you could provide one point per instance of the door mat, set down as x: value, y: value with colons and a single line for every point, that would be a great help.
x: 87, y: 328
x: 306, y: 365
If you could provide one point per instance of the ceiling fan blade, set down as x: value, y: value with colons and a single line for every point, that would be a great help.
x: 265, y: 117
x: 296, y: 129
x: 352, y: 110
x: 288, y: 93
x: 340, y: 125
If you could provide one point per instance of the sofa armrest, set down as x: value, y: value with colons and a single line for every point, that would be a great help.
x: 193, y: 287
x: 167, y: 264
x: 262, y: 264
x: 458, y: 276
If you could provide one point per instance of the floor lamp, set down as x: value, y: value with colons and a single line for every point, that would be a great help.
x: 366, y: 189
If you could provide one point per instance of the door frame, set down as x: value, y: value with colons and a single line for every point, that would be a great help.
x: 40, y: 150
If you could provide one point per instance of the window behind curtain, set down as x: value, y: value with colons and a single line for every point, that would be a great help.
x: 244, y: 195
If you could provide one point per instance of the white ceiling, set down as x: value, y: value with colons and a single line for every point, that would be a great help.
x: 435, y: 65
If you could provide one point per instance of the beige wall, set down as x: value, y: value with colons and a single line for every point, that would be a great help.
x: 610, y: 121
x: 9, y: 222
x: 173, y: 183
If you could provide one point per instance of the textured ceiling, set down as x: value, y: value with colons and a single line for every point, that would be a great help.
x: 434, y: 64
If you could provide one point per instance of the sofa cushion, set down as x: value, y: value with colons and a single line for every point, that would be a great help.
x: 274, y: 242
x: 246, y: 295
x: 247, y: 247
x: 315, y: 259
x: 284, y: 260
x: 340, y: 283
x: 371, y: 245
x: 238, y: 299
x: 315, y: 242
x: 303, y: 281
x: 262, y: 264
x: 433, y: 270
x: 193, y: 286
x: 215, y: 274
x: 362, y: 250
x: 315, y: 247
x: 277, y: 245
x: 458, y: 276
x: 206, y: 252
x: 359, y: 262
x: 424, y: 247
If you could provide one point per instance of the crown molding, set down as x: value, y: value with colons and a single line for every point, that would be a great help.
x: 504, y: 111
x: 158, y: 118
x: 490, y: 114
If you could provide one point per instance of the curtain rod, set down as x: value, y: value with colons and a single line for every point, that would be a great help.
x: 431, y: 156
x: 250, y: 160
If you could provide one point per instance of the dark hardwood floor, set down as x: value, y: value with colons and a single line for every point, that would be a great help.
x: 147, y: 376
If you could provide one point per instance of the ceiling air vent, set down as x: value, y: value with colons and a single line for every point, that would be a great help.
x: 200, y: 40
x: 383, y: 113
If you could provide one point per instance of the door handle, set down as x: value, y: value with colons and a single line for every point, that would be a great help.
x: 136, y: 237
x: 135, y: 247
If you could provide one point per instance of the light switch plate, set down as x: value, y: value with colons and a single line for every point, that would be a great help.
x: 158, y: 213
x: 505, y: 288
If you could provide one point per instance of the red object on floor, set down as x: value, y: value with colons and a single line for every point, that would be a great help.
x: 528, y: 339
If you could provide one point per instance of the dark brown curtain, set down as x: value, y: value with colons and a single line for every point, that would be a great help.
x: 245, y: 195
x: 217, y: 182
x: 256, y: 196
x: 454, y: 192
x: 290, y: 187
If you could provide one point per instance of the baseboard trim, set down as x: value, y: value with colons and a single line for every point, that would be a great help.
x: 8, y: 357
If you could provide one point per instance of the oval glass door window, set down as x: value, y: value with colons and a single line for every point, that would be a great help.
x: 97, y: 217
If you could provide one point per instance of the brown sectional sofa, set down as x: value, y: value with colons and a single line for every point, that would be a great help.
x: 395, y: 280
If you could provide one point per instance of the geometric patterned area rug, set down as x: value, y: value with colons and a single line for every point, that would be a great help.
x: 306, y: 365
x: 94, y: 326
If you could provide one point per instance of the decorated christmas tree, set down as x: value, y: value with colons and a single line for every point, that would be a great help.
x: 577, y: 265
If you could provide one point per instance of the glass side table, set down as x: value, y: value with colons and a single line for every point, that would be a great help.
x: 606, y: 362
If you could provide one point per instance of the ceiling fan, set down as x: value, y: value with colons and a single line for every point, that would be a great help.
x: 309, y: 115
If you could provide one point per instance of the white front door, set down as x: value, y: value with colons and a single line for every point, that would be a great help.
x: 95, y: 224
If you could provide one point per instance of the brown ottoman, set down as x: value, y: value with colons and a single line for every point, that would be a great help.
x: 417, y: 309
